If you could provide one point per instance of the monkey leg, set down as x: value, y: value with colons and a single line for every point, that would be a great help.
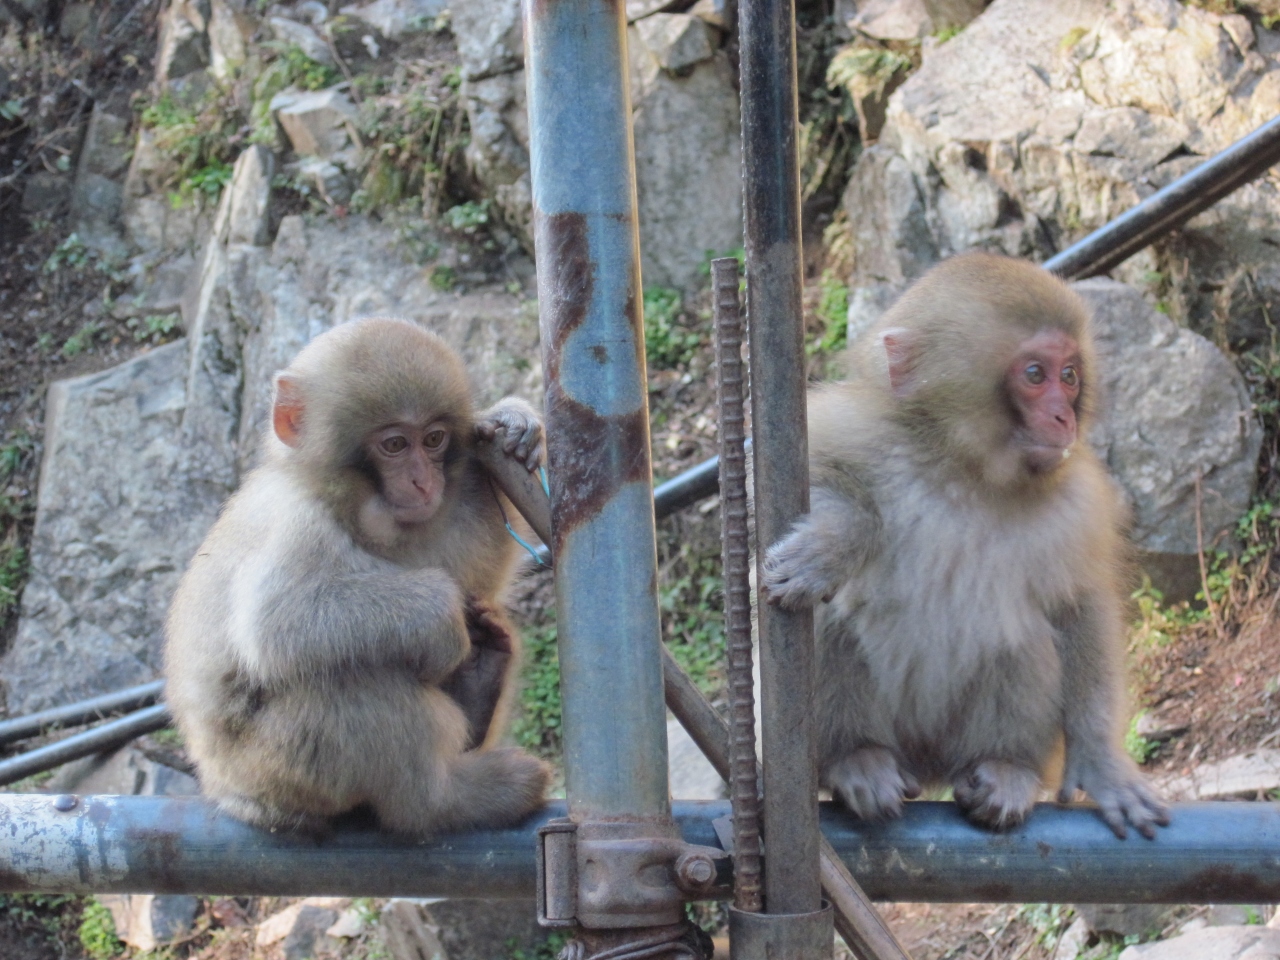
x: 997, y: 794
x: 433, y: 786
x: 870, y: 783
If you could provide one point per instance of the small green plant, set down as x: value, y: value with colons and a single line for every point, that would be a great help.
x: 946, y: 33
x: 82, y: 339
x: 71, y: 252
x: 1072, y: 37
x: 207, y: 182
x: 864, y: 69
x: 200, y: 141
x: 13, y: 573
x: 98, y: 932
x: 668, y: 343
x: 1136, y: 745
x: 168, y: 737
x: 444, y: 278
x: 10, y: 110
x: 1157, y: 624
x: 538, y: 726
x: 467, y: 218
x: 833, y: 311
x: 154, y: 328
x: 691, y: 598
x: 13, y: 454
x: 548, y: 949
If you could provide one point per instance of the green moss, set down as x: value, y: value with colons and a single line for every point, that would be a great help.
x: 98, y: 933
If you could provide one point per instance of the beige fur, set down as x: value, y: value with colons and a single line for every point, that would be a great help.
x: 968, y: 611
x: 308, y: 639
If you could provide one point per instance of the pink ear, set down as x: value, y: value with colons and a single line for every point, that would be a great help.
x: 899, y: 354
x: 287, y: 410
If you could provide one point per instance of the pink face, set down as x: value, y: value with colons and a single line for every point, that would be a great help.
x: 409, y: 459
x: 1044, y: 383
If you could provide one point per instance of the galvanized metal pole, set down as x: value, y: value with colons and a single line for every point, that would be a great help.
x: 597, y: 414
x: 614, y: 869
x: 781, y: 457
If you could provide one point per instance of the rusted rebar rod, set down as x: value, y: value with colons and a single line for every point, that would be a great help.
x: 736, y: 555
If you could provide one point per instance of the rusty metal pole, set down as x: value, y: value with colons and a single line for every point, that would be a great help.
x: 617, y: 869
x: 736, y: 558
x: 781, y: 459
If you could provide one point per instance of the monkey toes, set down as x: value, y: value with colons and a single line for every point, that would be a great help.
x: 1121, y: 796
x: 997, y: 794
x: 871, y: 785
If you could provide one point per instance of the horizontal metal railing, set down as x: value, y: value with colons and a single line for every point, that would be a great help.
x: 1212, y: 853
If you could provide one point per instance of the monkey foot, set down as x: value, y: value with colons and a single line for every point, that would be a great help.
x: 997, y: 794
x: 267, y: 817
x: 870, y: 783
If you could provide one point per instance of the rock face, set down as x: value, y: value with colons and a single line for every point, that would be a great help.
x: 121, y: 509
x: 1080, y: 109
x: 139, y: 458
x: 1173, y: 408
x: 686, y: 121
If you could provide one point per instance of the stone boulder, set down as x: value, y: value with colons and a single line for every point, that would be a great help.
x: 686, y: 123
x: 1043, y: 120
x: 121, y: 508
x: 1173, y: 408
x: 1212, y: 943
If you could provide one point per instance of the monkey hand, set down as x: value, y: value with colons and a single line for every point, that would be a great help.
x: 798, y: 574
x: 478, y: 682
x: 871, y: 784
x: 1119, y: 791
x: 520, y: 427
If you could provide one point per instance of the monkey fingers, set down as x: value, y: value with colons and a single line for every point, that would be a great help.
x: 997, y: 794
x: 871, y: 784
x: 521, y: 429
x: 486, y: 628
x: 796, y: 575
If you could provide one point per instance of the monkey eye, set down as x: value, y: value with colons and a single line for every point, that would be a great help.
x: 394, y: 445
x: 435, y: 439
x: 1070, y: 377
x: 1035, y: 374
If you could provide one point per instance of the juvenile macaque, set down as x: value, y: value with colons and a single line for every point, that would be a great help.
x: 963, y: 552
x: 337, y: 640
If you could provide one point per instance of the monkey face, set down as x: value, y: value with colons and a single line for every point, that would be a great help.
x: 409, y: 460
x: 1044, y: 381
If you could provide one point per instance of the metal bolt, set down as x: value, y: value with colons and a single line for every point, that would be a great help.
x: 64, y: 802
x: 695, y: 871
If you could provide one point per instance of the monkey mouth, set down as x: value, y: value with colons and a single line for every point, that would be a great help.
x: 1045, y: 458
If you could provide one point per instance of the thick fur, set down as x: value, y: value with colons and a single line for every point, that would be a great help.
x: 968, y: 612
x: 307, y: 640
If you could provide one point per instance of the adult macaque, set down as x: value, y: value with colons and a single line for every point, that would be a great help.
x: 963, y: 552
x: 349, y: 587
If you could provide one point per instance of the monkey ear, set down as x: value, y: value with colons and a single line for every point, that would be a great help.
x: 900, y: 357
x: 287, y: 410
